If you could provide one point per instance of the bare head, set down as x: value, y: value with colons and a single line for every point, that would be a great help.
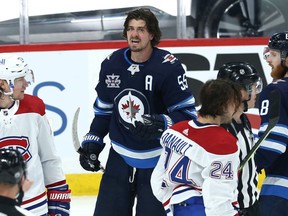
x: 219, y: 99
x: 150, y: 20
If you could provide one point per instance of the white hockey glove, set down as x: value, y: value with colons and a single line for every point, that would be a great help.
x: 152, y: 126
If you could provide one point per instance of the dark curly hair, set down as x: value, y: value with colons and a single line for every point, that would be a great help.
x: 215, y: 96
x: 150, y: 20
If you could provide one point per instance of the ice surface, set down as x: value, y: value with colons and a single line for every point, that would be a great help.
x: 82, y: 205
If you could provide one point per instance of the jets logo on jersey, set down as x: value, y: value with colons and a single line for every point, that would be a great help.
x: 130, y: 108
x: 132, y: 105
x: 133, y: 68
x: 169, y: 58
x: 113, y: 81
x: 19, y: 143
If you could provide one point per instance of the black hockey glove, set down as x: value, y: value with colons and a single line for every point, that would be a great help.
x: 152, y: 126
x: 92, y: 145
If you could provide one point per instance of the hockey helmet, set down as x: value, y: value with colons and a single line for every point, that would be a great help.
x: 12, y: 166
x: 13, y: 67
x: 242, y: 73
x: 279, y: 41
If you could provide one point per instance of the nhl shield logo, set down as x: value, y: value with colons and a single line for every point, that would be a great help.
x: 132, y: 105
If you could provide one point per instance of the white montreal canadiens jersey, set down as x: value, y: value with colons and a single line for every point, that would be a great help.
x: 25, y: 127
x: 197, y: 161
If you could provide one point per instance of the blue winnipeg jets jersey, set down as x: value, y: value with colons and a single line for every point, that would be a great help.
x: 272, y: 154
x: 126, y: 90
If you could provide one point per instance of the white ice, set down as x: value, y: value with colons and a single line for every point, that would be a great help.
x: 82, y: 205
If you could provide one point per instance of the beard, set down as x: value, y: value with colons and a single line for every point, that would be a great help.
x: 278, y: 72
x: 133, y: 48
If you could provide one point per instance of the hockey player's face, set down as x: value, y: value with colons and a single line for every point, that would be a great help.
x: 20, y: 85
x: 274, y: 58
x: 251, y: 102
x: 274, y: 61
x: 138, y: 36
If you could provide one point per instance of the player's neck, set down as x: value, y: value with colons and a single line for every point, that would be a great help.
x: 141, y: 56
x: 237, y: 116
x: 209, y: 120
x: 8, y: 191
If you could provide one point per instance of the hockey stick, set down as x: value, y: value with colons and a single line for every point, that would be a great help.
x: 274, y: 112
x: 76, y: 142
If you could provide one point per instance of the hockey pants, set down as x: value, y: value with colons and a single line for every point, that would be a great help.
x: 120, y: 185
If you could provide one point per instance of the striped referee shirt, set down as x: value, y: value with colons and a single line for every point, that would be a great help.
x: 248, y: 178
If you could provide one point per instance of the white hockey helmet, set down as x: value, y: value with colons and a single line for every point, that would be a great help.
x: 13, y: 67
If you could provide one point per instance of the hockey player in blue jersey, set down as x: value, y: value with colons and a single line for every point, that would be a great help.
x: 272, y: 155
x: 142, y: 90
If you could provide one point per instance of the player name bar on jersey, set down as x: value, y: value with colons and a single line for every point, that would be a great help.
x: 175, y: 143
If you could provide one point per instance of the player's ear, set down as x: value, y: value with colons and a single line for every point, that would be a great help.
x: 286, y: 61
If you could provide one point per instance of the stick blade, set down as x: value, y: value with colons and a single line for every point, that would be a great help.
x: 75, y: 138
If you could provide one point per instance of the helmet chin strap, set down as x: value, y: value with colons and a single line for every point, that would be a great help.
x: 20, y: 195
x: 10, y: 95
x: 284, y: 55
x: 245, y: 104
x: 283, y: 65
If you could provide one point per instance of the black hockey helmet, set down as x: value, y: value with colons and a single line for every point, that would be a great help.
x: 279, y: 41
x: 12, y: 166
x: 242, y: 73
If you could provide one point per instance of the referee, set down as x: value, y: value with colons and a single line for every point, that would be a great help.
x: 251, y: 84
